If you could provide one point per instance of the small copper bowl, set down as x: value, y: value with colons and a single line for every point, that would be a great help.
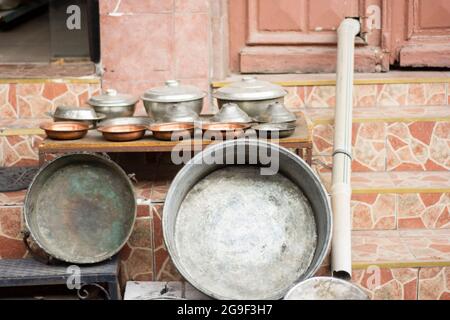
x: 123, y: 132
x: 65, y: 130
x: 225, y: 130
x: 172, y: 130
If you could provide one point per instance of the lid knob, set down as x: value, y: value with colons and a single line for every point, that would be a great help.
x: 172, y: 83
x: 249, y: 79
x: 111, y: 92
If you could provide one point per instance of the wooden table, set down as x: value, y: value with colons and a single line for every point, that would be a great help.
x: 300, y: 141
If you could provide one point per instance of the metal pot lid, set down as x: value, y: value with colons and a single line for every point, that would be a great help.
x: 112, y: 99
x: 274, y: 127
x: 250, y: 88
x: 326, y: 288
x: 230, y: 112
x: 145, y: 121
x: 276, y: 113
x: 173, y: 91
x: 76, y: 113
x: 179, y: 113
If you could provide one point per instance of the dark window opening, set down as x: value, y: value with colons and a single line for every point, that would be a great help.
x: 49, y: 31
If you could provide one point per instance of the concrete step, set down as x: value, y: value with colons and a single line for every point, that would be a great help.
x: 399, y: 200
x: 387, y: 139
x: 392, y: 89
x: 402, y: 265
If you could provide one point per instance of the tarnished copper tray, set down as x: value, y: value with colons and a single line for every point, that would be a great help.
x: 80, y: 208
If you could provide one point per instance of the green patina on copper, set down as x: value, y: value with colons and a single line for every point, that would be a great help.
x: 81, y: 208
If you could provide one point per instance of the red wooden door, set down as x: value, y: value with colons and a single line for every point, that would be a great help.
x: 421, y: 37
x: 287, y: 36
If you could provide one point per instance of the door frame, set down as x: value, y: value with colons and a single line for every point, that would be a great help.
x: 402, y: 44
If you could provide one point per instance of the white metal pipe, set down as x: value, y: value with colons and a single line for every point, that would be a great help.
x: 341, y: 260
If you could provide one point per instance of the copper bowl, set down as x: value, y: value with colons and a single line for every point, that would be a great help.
x: 123, y: 132
x: 66, y: 130
x: 172, y: 130
x: 211, y: 131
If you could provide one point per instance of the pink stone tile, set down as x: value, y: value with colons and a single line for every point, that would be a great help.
x: 53, y: 90
x: 417, y: 211
x: 421, y: 94
x: 323, y: 139
x: 294, y: 100
x: 392, y: 95
x: 11, y: 248
x: 388, y: 284
x: 8, y: 104
x: 431, y: 247
x: 385, y: 246
x: 11, y: 222
x: 140, y: 262
x: 320, y: 97
x: 145, y: 41
x: 135, y: 6
x: 141, y: 236
x: 365, y: 96
x: 434, y: 283
x: 191, y: 61
x: 15, y: 198
x: 369, y: 147
x: 191, y: 6
x: 19, y: 150
x: 418, y: 146
x: 373, y: 211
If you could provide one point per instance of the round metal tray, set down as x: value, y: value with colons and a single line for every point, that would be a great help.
x: 236, y: 234
x: 80, y: 208
x: 326, y: 288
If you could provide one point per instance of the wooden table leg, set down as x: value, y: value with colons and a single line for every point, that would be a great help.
x: 299, y: 151
x: 41, y: 158
x: 309, y: 155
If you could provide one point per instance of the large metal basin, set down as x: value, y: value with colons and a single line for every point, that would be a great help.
x: 236, y: 234
x: 80, y: 208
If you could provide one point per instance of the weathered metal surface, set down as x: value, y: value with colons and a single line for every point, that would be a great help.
x: 231, y: 113
x: 277, y: 113
x: 326, y: 288
x: 274, y: 130
x: 236, y: 234
x: 224, y: 131
x: 251, y: 95
x: 144, y: 121
x: 80, y: 208
x: 158, y: 100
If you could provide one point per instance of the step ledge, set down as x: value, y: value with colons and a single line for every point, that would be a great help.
x: 81, y: 80
x: 398, y: 265
x: 318, y: 116
x: 295, y: 80
x: 396, y: 182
